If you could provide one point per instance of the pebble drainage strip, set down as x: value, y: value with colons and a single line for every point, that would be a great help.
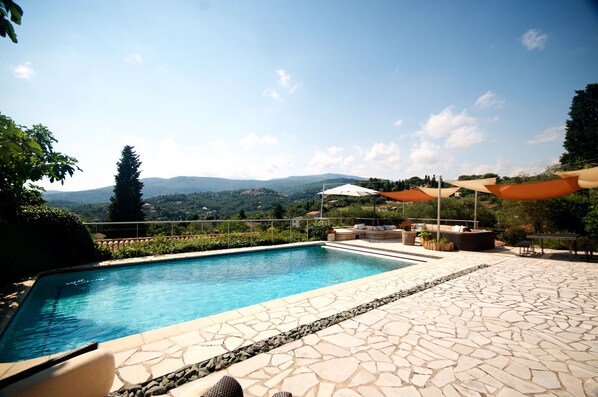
x: 164, y: 383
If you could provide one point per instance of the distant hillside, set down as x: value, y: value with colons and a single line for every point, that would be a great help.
x: 213, y: 205
x: 191, y: 184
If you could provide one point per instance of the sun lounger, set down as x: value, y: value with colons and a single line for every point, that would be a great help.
x: 342, y: 233
x: 85, y: 372
x: 386, y: 232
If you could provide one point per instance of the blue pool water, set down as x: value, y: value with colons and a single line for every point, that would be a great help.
x: 66, y: 310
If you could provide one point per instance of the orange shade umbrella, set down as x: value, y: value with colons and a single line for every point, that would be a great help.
x: 412, y: 196
x: 536, y: 190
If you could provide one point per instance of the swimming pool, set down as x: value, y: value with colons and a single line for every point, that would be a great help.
x: 63, y: 311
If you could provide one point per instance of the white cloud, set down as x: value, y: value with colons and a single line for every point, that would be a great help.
x: 334, y: 150
x: 383, y: 154
x: 24, y: 71
x: 269, y: 92
x: 173, y: 156
x: 285, y: 84
x: 464, y: 137
x: 428, y: 158
x: 530, y: 168
x: 330, y: 160
x: 134, y: 59
x: 459, y: 131
x: 550, y: 134
x: 489, y: 100
x: 249, y: 139
x: 510, y: 166
x: 425, y: 153
x: 269, y: 140
x: 381, y: 159
x: 397, y: 123
x: 285, y: 81
x: 440, y: 125
x: 534, y: 39
x: 283, y: 78
x: 252, y: 138
x: 477, y: 169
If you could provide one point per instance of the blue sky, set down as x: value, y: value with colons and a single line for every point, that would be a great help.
x: 269, y: 89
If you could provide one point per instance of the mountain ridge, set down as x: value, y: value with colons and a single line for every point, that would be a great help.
x: 196, y: 184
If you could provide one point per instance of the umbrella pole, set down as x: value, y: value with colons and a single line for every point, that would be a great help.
x: 438, y: 209
x: 475, y: 212
x: 322, y: 204
x: 374, y: 215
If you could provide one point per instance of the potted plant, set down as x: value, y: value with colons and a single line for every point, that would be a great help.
x: 442, y: 245
x: 330, y: 233
x: 408, y: 236
x: 446, y: 245
x: 406, y: 226
x: 424, y: 236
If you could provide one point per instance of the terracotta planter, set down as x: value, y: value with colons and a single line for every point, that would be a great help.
x: 434, y: 246
x: 409, y: 237
x: 424, y: 242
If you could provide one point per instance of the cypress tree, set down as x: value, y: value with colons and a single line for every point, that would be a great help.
x: 581, y: 137
x: 125, y: 203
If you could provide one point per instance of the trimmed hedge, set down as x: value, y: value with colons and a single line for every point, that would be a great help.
x: 162, y: 246
x: 43, y: 238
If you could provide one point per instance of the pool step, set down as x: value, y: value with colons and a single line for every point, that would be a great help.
x: 387, y: 253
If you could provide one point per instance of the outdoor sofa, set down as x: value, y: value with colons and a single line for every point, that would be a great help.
x: 463, y: 238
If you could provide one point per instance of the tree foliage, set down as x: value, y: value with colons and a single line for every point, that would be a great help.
x: 581, y: 137
x: 43, y: 238
x: 385, y: 185
x: 9, y: 7
x: 278, y: 212
x: 27, y: 156
x: 126, y: 204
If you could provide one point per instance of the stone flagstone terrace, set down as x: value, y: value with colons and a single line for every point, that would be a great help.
x: 523, y: 327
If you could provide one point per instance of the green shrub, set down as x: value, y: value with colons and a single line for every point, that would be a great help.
x: 516, y: 234
x: 587, y: 244
x: 591, y: 223
x: 102, y: 252
x: 43, y: 238
x: 317, y: 232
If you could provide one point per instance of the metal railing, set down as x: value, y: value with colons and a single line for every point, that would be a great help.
x: 465, y: 222
x: 296, y: 229
x: 223, y: 229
